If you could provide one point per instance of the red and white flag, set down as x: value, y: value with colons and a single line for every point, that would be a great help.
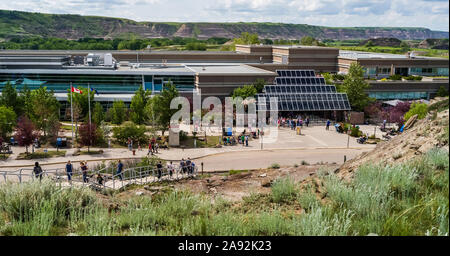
x: 76, y: 90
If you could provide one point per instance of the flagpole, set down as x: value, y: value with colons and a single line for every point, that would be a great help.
x: 89, y: 104
x: 71, y: 111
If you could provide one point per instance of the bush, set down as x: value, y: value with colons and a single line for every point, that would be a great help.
x: 130, y: 130
x: 413, y: 78
x: 442, y: 92
x: 283, y: 190
x: 420, y: 109
x: 395, y: 77
x: 355, y: 132
x: 34, y: 208
x: 439, y: 106
x: 275, y: 166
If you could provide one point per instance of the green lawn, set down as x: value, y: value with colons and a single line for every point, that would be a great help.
x: 210, y: 142
x: 40, y: 154
x: 395, y: 50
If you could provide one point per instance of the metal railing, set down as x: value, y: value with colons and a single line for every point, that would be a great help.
x: 134, y: 175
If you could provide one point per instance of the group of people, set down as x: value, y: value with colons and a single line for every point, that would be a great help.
x: 153, y: 147
x: 293, y: 122
x: 186, y: 167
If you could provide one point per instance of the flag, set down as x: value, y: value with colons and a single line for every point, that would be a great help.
x: 76, y: 90
x: 94, y: 90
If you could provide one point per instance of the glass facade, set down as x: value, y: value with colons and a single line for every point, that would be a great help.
x: 429, y: 71
x: 102, y: 83
x: 398, y: 95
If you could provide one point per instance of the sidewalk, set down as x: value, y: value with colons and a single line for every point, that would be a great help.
x: 312, y: 138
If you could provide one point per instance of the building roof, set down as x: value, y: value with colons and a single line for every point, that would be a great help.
x: 235, y: 69
x: 375, y: 55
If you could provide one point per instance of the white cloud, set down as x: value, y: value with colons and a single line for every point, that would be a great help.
x: 432, y: 14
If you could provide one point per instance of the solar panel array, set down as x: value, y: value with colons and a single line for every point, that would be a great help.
x: 300, y: 81
x: 300, y: 90
x: 296, y: 73
x: 306, y: 102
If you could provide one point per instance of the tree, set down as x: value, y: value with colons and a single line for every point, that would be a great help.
x: 396, y: 113
x: 130, y: 130
x: 88, y: 135
x: 308, y: 40
x: 355, y: 87
x: 25, y: 95
x: 25, y: 132
x: 45, y: 113
x: 369, y: 44
x: 404, y: 45
x: 138, y: 103
x: 7, y: 121
x: 10, y: 98
x: 244, y: 92
x: 98, y: 115
x: 247, y: 38
x: 442, y: 92
x: 118, y: 112
x: 259, y: 84
x: 160, y: 106
x: 328, y: 78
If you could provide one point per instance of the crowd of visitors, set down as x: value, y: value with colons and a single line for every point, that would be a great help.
x: 185, y: 167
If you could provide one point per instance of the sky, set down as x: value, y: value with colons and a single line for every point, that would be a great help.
x: 432, y: 14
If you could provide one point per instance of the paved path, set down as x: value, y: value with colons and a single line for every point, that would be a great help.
x: 314, y: 145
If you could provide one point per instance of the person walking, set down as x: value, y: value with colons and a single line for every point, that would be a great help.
x: 159, y: 167
x: 84, y: 171
x: 182, y: 170
x: 307, y: 122
x: 170, y: 169
x: 119, y: 169
x: 69, y: 170
x: 37, y: 170
x: 328, y: 124
x: 246, y: 140
x: 242, y: 139
x: 149, y: 148
x: 99, y: 179
x: 189, y: 166
x: 129, y: 143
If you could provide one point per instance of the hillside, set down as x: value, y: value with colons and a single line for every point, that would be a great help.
x: 16, y: 23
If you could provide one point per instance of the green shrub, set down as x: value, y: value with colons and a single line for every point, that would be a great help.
x: 395, y: 77
x: 442, y: 92
x: 130, y: 130
x: 420, y: 109
x: 275, y: 166
x: 283, y: 190
x: 355, y: 132
x: 438, y: 106
x: 307, y: 198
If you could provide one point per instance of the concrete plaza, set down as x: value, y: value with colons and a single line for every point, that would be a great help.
x: 315, y: 144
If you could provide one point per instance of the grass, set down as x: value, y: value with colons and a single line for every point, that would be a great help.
x: 232, y: 172
x: 90, y: 152
x: 283, y: 190
x: 4, y: 157
x: 41, y: 154
x: 211, y: 141
x: 403, y: 199
x: 275, y: 166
